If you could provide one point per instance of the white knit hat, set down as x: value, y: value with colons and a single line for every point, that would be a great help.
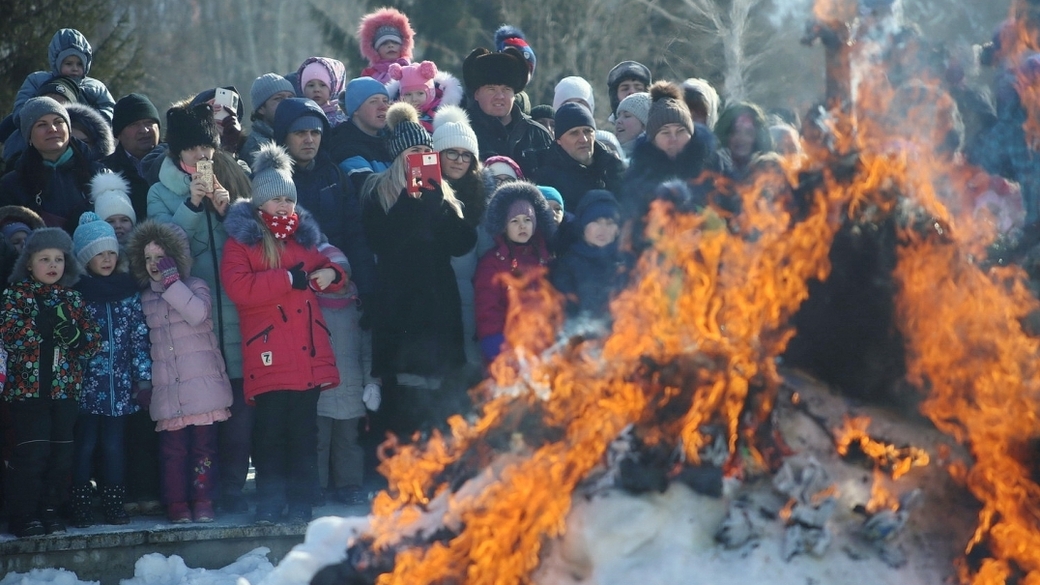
x: 451, y: 129
x: 574, y: 87
x: 110, y: 194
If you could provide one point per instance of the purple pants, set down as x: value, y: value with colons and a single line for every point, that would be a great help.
x: 186, y: 462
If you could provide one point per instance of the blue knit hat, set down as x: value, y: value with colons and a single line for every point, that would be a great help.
x: 92, y: 237
x: 551, y: 194
x: 358, y: 90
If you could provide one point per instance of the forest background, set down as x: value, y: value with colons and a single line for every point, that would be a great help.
x: 172, y: 49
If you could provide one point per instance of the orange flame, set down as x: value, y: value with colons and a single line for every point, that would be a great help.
x: 885, y: 456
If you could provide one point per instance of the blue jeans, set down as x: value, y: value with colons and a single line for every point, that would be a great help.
x: 95, y: 431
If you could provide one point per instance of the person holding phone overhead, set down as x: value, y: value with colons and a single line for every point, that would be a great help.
x: 417, y: 321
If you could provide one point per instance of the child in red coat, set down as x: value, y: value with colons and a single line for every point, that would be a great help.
x: 521, y: 222
x: 271, y: 270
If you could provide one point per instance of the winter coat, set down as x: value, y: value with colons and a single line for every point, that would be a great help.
x: 95, y: 93
x: 357, y: 153
x: 521, y: 140
x: 29, y: 352
x: 188, y: 376
x: 572, y: 179
x: 124, y: 357
x: 60, y: 194
x: 121, y: 162
x: 473, y: 196
x: 324, y: 190
x: 367, y: 31
x: 169, y: 201
x: 286, y: 342
x: 260, y: 133
x: 417, y: 322
x: 100, y: 141
x: 492, y: 298
x: 447, y: 91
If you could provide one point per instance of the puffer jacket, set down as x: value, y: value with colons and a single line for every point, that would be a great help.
x: 59, y: 194
x: 286, y: 342
x: 167, y: 202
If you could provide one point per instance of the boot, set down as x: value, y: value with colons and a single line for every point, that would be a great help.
x: 112, y: 497
x: 81, y: 505
x: 52, y: 522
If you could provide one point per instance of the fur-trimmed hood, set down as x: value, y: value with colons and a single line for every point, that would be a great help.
x: 498, y: 207
x: 243, y: 225
x: 99, y: 131
x: 12, y: 213
x: 370, y: 24
x: 170, y: 237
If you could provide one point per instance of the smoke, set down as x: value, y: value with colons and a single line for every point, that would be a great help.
x: 788, y: 11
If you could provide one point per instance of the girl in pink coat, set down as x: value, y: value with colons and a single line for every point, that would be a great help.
x: 190, y: 387
x: 271, y: 270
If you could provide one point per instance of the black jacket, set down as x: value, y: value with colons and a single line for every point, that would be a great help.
x: 59, y: 194
x: 120, y: 162
x: 347, y: 141
x: 521, y: 140
x: 572, y: 179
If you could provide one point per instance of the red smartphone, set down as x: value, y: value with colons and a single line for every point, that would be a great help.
x: 422, y: 167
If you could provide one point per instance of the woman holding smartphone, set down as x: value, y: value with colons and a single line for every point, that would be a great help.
x: 417, y: 333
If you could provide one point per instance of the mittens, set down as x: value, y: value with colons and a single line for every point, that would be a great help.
x: 298, y: 277
x: 46, y: 319
x: 168, y: 268
x: 372, y: 397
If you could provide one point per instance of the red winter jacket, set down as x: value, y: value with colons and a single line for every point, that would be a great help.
x: 285, y: 341
x: 491, y: 299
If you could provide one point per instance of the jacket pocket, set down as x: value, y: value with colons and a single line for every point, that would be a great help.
x: 264, y: 334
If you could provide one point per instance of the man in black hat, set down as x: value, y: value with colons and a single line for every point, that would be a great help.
x: 135, y: 124
x: 492, y: 80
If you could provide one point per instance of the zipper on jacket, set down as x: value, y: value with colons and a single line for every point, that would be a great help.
x: 265, y: 333
x: 111, y: 363
x: 285, y: 318
x: 310, y: 318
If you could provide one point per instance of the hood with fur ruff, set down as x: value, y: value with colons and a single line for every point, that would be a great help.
x: 370, y: 24
x: 498, y: 207
x: 99, y: 131
x: 243, y: 225
x: 170, y: 237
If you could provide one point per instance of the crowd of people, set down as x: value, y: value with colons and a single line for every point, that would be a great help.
x: 182, y: 298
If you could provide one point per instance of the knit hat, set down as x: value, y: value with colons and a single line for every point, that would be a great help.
x: 315, y: 70
x: 521, y: 207
x: 63, y: 86
x: 572, y: 115
x: 697, y: 90
x: 272, y: 174
x: 37, y: 107
x: 551, y: 194
x: 596, y: 204
x: 43, y: 239
x: 573, y: 87
x: 622, y: 71
x: 511, y: 36
x: 482, y: 67
x: 667, y: 107
x: 358, y: 91
x: 402, y: 120
x: 110, y: 193
x: 503, y: 165
x: 13, y: 228
x: 414, y: 77
x: 266, y: 86
x: 93, y: 236
x: 387, y: 33
x: 451, y: 129
x: 131, y: 108
x: 306, y: 123
x: 295, y: 114
x: 190, y: 126
x: 541, y: 111
x: 637, y: 104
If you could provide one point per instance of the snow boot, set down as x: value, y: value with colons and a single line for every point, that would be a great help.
x: 82, y: 506
x: 112, y: 499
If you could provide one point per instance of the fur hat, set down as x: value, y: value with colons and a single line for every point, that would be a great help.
x: 503, y: 199
x: 272, y: 174
x: 402, y: 122
x: 358, y: 91
x: 666, y: 107
x: 131, y: 108
x: 190, y: 126
x: 415, y: 77
x: 34, y: 109
x: 482, y: 67
x: 637, y: 104
x: 110, y: 194
x: 511, y: 36
x: 451, y: 129
x: 574, y: 87
x: 382, y: 25
x: 97, y: 129
x: 168, y: 236
x: 622, y: 71
x: 93, y: 236
x: 266, y: 86
x: 43, y: 239
x: 64, y: 86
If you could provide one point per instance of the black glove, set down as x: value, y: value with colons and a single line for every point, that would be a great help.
x: 299, y: 277
x: 46, y: 319
x: 66, y: 332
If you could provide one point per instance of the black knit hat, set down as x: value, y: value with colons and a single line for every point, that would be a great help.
x: 63, y: 86
x: 188, y: 127
x: 402, y: 121
x: 482, y: 67
x: 131, y: 108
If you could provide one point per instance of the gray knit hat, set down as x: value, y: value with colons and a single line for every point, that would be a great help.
x: 42, y: 239
x: 637, y: 104
x: 272, y: 174
x: 37, y: 107
x: 266, y: 86
x: 402, y: 120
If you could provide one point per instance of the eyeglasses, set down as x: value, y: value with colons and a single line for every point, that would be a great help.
x: 456, y: 155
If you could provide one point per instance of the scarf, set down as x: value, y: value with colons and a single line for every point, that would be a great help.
x: 282, y: 226
x: 107, y: 289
